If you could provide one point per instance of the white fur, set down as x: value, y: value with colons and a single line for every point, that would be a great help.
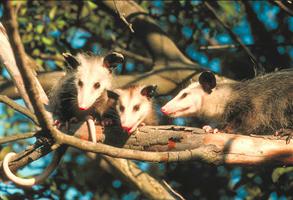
x: 130, y: 118
x: 91, y: 71
x: 187, y: 106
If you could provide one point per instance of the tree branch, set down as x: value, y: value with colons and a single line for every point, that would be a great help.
x: 235, y: 38
x: 142, y: 181
x: 19, y: 108
x: 32, y: 86
x: 16, y: 137
x: 161, y: 47
x: 283, y: 7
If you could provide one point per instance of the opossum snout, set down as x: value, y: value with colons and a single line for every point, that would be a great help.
x: 127, y: 129
x: 164, y: 111
x: 82, y: 108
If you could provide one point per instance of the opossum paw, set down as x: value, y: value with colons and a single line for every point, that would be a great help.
x: 142, y: 124
x: 209, y: 129
x: 107, y: 122
x: 57, y: 123
x: 284, y: 133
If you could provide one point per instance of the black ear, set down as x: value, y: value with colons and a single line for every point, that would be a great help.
x: 71, y: 60
x: 113, y: 59
x: 208, y: 81
x: 149, y: 91
x: 112, y: 95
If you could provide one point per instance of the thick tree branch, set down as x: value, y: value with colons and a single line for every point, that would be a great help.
x: 19, y: 108
x: 142, y: 181
x: 31, y: 84
x: 162, y: 48
x: 7, y: 57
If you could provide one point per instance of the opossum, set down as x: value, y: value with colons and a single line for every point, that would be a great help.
x: 81, y: 93
x: 135, y: 107
x: 261, y: 105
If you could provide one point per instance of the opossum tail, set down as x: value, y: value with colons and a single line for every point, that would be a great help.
x: 29, y: 182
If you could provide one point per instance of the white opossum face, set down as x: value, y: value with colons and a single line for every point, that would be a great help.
x: 134, y: 105
x: 92, y: 76
x: 188, y: 102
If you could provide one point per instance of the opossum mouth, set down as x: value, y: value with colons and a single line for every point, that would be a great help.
x: 179, y: 111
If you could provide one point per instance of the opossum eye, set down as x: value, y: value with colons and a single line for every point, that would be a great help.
x: 80, y: 83
x: 97, y: 85
x: 136, y: 108
x: 183, y: 95
x: 121, y: 108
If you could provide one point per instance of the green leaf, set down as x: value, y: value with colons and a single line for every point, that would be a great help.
x: 278, y: 172
x: 92, y: 5
x: 47, y: 41
x: 52, y: 12
x: 40, y: 28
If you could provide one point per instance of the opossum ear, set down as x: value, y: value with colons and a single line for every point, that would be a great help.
x: 71, y: 60
x: 113, y: 59
x: 208, y: 81
x: 149, y: 91
x: 112, y: 94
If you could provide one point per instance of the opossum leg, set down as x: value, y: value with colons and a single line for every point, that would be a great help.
x: 107, y: 122
x: 284, y: 133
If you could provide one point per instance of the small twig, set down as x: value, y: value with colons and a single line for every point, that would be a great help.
x: 137, y: 57
x: 173, y: 191
x: 121, y: 16
x: 235, y: 38
x: 16, y: 137
x: 233, y: 46
x: 19, y: 108
x: 284, y: 7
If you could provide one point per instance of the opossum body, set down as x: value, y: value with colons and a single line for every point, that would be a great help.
x: 261, y: 105
x: 135, y: 107
x: 83, y: 90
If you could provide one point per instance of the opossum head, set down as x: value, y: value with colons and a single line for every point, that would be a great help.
x: 92, y: 75
x: 134, y: 105
x: 188, y: 101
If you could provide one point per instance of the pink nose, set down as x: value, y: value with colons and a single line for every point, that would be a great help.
x: 164, y: 111
x: 127, y: 129
x: 81, y: 108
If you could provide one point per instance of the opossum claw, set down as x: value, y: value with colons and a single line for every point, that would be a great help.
x: 284, y: 133
x: 107, y: 122
x: 209, y: 129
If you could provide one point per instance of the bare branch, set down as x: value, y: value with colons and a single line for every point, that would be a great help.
x: 7, y: 57
x: 151, y: 188
x: 235, y: 38
x: 16, y: 137
x: 121, y: 16
x: 137, y: 57
x: 172, y: 190
x: 31, y: 84
x: 283, y: 7
x: 19, y: 108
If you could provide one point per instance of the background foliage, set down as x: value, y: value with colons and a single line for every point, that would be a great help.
x: 51, y: 28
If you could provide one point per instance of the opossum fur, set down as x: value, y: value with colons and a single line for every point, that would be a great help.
x: 83, y: 90
x: 261, y: 105
x: 135, y: 106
